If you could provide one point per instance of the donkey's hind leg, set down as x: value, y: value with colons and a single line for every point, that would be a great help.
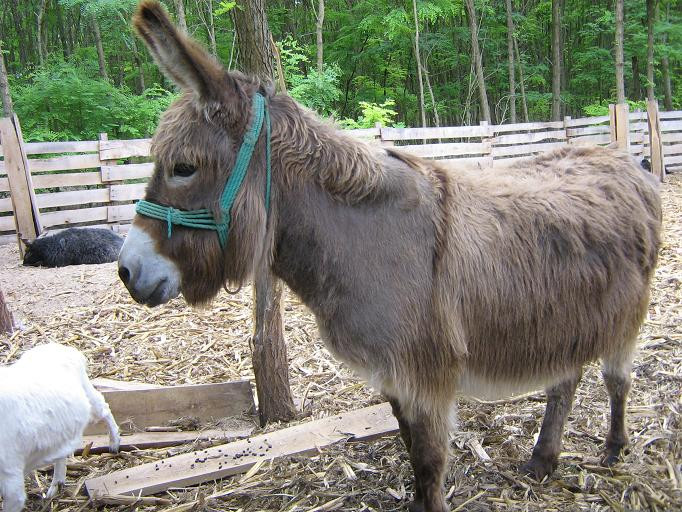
x: 428, y: 455
x: 546, y: 451
x: 402, y: 423
x: 616, y: 373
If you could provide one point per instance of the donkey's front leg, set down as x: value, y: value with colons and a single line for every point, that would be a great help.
x: 429, y: 455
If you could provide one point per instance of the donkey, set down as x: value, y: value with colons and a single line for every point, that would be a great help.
x: 426, y: 281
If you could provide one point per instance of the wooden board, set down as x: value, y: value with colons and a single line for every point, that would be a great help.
x: 447, y: 149
x: 233, y: 458
x: 154, y: 407
x: 529, y: 138
x: 64, y: 163
x: 518, y: 127
x: 115, y: 149
x: 120, y: 213
x: 671, y: 114
x: 525, y: 149
x: 74, y: 197
x: 127, y: 172
x: 104, y: 384
x: 585, y: 121
x: 74, y: 216
x: 4, y: 184
x: 147, y: 440
x: 79, y: 146
x: 71, y: 179
x: 451, y: 132
x: 127, y: 192
x: 7, y: 224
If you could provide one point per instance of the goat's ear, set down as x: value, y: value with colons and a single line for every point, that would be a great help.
x: 183, y: 60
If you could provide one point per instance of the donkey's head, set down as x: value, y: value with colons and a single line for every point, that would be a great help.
x: 169, y: 249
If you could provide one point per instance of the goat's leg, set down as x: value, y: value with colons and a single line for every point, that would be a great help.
x: 58, y: 478
x: 402, y: 423
x: 546, y: 451
x: 616, y: 373
x: 12, y: 491
x: 428, y: 455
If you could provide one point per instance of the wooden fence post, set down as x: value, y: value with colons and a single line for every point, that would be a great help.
x: 655, y: 144
x: 102, y: 138
x: 620, y: 125
x: 26, y: 213
x: 567, y: 122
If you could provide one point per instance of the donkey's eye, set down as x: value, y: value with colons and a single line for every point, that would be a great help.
x: 183, y: 170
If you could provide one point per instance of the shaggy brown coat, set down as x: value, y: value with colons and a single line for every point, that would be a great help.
x: 426, y: 281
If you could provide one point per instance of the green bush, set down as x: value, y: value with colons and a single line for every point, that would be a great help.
x: 64, y: 101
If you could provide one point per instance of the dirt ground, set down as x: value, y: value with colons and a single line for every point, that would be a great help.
x: 87, y: 307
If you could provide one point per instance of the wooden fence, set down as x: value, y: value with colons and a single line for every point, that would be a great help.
x: 96, y: 183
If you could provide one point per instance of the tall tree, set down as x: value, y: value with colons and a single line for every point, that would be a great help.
x: 524, y: 103
x: 101, y: 60
x: 510, y: 57
x: 180, y: 13
x: 269, y: 352
x: 418, y: 62
x: 651, y: 14
x: 42, y: 50
x: 7, y: 108
x: 318, y: 31
x: 665, y: 68
x: 478, y: 61
x: 556, y: 59
x: 620, y: 77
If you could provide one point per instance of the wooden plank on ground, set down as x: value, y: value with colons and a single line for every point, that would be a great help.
x: 154, y: 407
x: 104, y: 384
x: 115, y: 149
x: 127, y: 172
x: 150, y: 440
x: 233, y: 458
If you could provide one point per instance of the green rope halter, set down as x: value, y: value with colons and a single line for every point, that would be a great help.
x: 203, y: 218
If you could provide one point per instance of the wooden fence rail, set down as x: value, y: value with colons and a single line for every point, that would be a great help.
x: 97, y: 182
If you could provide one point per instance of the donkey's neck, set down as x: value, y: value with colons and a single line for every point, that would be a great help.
x: 306, y: 147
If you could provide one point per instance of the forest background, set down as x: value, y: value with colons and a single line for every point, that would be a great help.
x: 75, y: 67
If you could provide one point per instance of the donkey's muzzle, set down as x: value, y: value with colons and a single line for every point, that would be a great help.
x: 150, y: 277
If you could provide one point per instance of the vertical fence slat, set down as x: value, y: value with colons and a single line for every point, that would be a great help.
x: 623, y: 126
x: 26, y: 213
x: 655, y: 145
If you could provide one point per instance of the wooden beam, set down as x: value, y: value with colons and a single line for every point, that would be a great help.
x: 238, y: 457
x: 148, y: 440
x: 104, y: 384
x: 26, y: 214
x: 655, y: 145
x: 153, y: 407
x: 623, y: 126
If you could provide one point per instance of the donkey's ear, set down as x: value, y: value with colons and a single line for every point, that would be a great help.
x: 183, y: 60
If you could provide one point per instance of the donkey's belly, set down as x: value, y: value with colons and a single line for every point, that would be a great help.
x: 488, y: 388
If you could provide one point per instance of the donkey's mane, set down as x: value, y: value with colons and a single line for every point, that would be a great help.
x: 347, y: 168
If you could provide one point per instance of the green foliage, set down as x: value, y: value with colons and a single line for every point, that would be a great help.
x: 63, y: 101
x: 371, y: 115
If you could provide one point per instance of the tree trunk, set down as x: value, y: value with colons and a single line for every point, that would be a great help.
x: 510, y: 54
x: 140, y: 70
x: 207, y: 19
x: 636, y: 86
x: 650, y: 13
x: 436, y: 118
x: 253, y: 39
x: 6, y: 318
x: 418, y: 62
x: 556, y: 60
x: 478, y: 61
x: 180, y: 12
x: 318, y: 30
x: 665, y: 70
x: 63, y: 33
x: 620, y: 78
x: 100, y: 50
x: 269, y: 352
x: 42, y: 51
x: 7, y: 107
x: 524, y: 104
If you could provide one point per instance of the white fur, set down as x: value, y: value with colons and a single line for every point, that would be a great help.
x: 46, y: 401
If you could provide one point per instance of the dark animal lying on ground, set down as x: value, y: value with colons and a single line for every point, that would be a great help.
x: 427, y: 281
x: 73, y: 246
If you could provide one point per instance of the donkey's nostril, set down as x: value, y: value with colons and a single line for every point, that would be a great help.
x: 124, y: 274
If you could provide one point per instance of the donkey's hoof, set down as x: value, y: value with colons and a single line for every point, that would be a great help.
x: 538, y: 467
x: 612, y: 454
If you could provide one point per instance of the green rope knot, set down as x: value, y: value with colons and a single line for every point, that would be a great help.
x: 203, y: 218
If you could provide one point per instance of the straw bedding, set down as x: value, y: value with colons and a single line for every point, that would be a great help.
x: 88, y: 308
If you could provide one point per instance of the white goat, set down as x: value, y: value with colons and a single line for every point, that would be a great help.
x: 46, y: 401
